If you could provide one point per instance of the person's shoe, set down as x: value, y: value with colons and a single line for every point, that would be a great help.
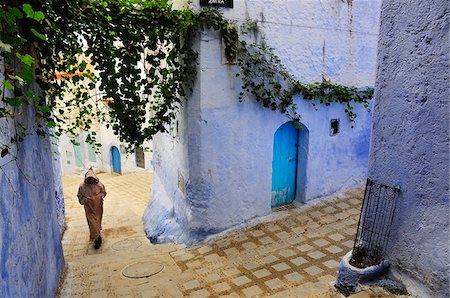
x: 98, y: 242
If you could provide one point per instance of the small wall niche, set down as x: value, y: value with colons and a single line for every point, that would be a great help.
x: 334, y: 127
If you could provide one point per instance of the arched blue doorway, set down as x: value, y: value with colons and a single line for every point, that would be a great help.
x: 290, y: 150
x: 115, y: 156
x: 284, y: 164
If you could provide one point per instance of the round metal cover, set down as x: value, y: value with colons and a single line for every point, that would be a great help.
x: 127, y: 244
x: 142, y: 270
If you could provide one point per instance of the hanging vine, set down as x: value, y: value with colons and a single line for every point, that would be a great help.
x: 84, y: 62
x: 134, y: 55
x: 265, y: 79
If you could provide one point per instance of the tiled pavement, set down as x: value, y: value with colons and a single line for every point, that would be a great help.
x: 304, y: 245
x: 293, y: 253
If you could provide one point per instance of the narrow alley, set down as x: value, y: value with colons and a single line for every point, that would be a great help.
x: 293, y: 253
x: 266, y: 148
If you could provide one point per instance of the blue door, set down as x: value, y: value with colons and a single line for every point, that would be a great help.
x: 116, y: 160
x: 284, y: 164
x: 79, y: 160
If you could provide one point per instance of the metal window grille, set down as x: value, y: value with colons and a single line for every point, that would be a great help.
x: 374, y: 224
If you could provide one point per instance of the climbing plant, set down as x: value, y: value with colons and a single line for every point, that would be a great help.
x: 80, y: 62
x: 265, y: 79
x: 140, y: 50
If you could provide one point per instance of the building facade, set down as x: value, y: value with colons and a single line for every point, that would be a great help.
x: 110, y: 158
x: 220, y: 168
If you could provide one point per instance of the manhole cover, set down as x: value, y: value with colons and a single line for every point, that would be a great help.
x: 126, y: 244
x: 142, y: 270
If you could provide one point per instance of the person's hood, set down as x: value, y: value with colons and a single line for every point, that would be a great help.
x: 90, y: 173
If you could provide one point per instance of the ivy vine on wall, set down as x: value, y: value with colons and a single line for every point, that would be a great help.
x: 86, y: 61
x: 265, y: 79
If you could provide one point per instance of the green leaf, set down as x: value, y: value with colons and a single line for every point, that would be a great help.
x: 33, y: 96
x: 15, y: 101
x: 35, y: 15
x: 39, y: 16
x: 15, y: 12
x: 26, y: 59
x: 4, y: 47
x: 8, y: 85
x: 27, y: 74
x: 17, y: 79
x: 28, y: 10
x: 51, y: 124
x: 44, y: 109
x: 39, y: 35
x: 83, y: 66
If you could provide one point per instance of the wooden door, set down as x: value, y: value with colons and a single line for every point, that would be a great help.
x: 284, y: 164
x: 115, y: 153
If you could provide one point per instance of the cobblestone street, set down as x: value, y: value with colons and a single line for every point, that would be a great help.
x: 294, y: 252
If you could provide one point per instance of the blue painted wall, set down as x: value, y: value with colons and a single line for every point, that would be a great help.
x: 31, y: 217
x: 223, y: 149
x: 410, y: 141
x: 57, y: 184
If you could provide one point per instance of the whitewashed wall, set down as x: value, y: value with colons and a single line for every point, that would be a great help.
x: 103, y: 161
x: 225, y: 148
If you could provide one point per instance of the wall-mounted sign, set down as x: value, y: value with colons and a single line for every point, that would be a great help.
x: 217, y: 3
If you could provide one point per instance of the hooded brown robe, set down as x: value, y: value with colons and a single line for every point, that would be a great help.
x: 90, y: 194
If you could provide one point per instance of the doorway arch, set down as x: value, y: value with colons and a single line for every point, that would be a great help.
x: 290, y: 150
x: 115, y: 157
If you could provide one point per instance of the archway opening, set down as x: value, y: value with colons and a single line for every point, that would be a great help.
x: 290, y: 150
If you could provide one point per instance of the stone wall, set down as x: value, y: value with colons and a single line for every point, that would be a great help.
x: 410, y: 140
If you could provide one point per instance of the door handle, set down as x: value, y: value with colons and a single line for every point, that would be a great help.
x: 292, y: 158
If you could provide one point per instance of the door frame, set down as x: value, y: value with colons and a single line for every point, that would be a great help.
x: 302, y: 163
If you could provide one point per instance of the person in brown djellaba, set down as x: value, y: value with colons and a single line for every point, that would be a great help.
x: 90, y: 194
